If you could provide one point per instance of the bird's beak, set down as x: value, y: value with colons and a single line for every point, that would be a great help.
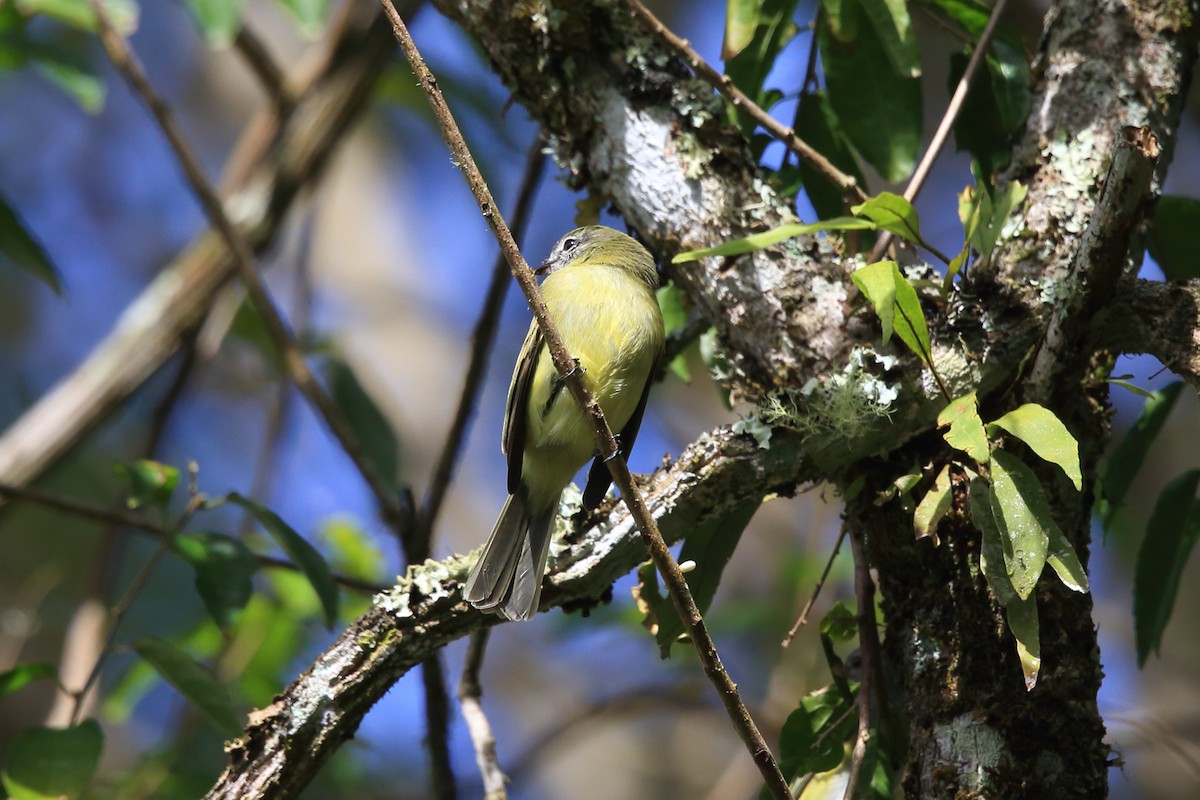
x: 544, y: 268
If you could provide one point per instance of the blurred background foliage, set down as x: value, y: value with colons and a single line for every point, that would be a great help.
x: 383, y: 270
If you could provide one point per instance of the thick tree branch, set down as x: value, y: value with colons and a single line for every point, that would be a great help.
x: 287, y: 743
x: 1162, y: 319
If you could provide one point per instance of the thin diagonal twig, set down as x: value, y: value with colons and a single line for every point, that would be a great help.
x: 470, y: 692
x: 942, y: 134
x: 293, y: 359
x: 803, y: 618
x: 563, y: 362
x: 868, y: 643
x: 847, y: 183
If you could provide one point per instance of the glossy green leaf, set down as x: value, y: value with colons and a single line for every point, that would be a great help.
x: 1063, y: 559
x: 992, y: 543
x: 758, y: 241
x: 816, y: 124
x: 1045, y: 434
x: 310, y: 15
x: 302, y: 554
x: 1170, y: 535
x: 1022, y: 513
x: 371, y: 428
x: 1022, y: 617
x: 20, y: 250
x: 896, y: 304
x: 1131, y: 387
x: 893, y: 27
x: 1173, y: 239
x: 123, y: 14
x: 741, y: 20
x: 52, y: 762
x: 192, y: 680
x: 966, y: 428
x: 218, y: 20
x: 150, y: 483
x: 22, y: 675
x: 891, y: 212
x: 879, y: 108
x: 710, y: 546
x: 749, y: 68
x: 934, y: 505
x: 813, y: 736
x: 839, y: 623
x: 224, y: 568
x: 984, y: 213
x: 1126, y: 460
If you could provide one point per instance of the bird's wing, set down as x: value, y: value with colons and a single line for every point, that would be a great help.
x: 599, y: 478
x: 516, y: 413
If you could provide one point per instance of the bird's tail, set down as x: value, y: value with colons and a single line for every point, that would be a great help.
x: 507, y: 579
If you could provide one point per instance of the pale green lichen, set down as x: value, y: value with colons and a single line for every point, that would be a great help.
x: 429, y: 581
x: 840, y: 405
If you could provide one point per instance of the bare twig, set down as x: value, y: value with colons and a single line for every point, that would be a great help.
x: 293, y: 359
x: 787, y: 640
x: 868, y: 643
x: 563, y: 362
x: 942, y: 134
x: 274, y: 82
x: 470, y: 693
x: 847, y: 183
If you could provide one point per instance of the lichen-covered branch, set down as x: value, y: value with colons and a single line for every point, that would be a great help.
x: 1162, y: 319
x: 286, y: 743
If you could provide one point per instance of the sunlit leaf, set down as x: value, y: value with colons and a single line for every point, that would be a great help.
x: 670, y: 303
x: 52, y: 762
x: 893, y: 27
x: 934, y: 505
x: 20, y: 250
x: 891, y: 212
x: 750, y: 67
x: 1022, y: 617
x: 192, y: 680
x: 758, y: 241
x: 1043, y: 431
x: 984, y: 214
x: 966, y: 428
x: 741, y: 20
x: 840, y: 624
x: 1170, y: 535
x: 123, y: 14
x: 1062, y: 558
x: 992, y: 542
x: 218, y: 20
x: 1126, y: 460
x: 1022, y: 513
x: 896, y: 304
x: 813, y: 736
x: 150, y: 483
x: 76, y: 79
x: 303, y: 554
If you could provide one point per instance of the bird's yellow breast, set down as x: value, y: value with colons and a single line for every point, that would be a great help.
x: 611, y: 323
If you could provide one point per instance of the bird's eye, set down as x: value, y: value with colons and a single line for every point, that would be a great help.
x: 569, y: 244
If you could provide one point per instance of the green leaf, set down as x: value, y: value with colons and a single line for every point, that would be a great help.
x: 20, y: 250
x: 1172, y: 241
x: 750, y: 67
x: 979, y: 128
x: 52, y: 762
x: 839, y: 623
x: 891, y: 212
x: 670, y: 303
x: 310, y: 15
x: 1131, y: 387
x: 150, y: 483
x: 1023, y: 622
x: 984, y: 214
x: 22, y: 675
x: 879, y: 108
x: 218, y: 20
x: 74, y: 78
x: 819, y: 126
x: 1061, y: 557
x: 224, y: 568
x: 813, y: 736
x: 934, y: 505
x: 710, y: 546
x: 371, y: 428
x: 192, y: 680
x: 758, y: 241
x: 1170, y: 535
x: 992, y: 543
x: 1022, y: 513
x: 123, y: 14
x: 741, y: 21
x: 893, y: 27
x: 966, y: 428
x: 1126, y: 461
x: 896, y: 304
x: 1045, y: 434
x: 302, y: 554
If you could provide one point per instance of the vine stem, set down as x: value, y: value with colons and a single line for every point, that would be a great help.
x: 659, y: 554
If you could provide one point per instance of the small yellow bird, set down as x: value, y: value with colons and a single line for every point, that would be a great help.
x: 599, y: 288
